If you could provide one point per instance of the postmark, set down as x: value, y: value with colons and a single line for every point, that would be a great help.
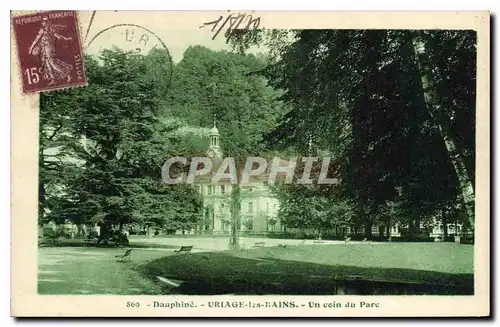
x: 135, y: 39
x: 49, y: 51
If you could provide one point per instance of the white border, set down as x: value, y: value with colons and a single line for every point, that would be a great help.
x: 144, y: 4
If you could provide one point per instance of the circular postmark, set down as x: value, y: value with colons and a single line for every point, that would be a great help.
x: 133, y: 38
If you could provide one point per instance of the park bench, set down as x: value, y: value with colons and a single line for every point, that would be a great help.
x: 259, y: 244
x: 124, y: 257
x: 184, y: 249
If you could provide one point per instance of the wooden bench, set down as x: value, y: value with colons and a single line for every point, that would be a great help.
x: 124, y: 257
x: 259, y: 244
x: 184, y: 249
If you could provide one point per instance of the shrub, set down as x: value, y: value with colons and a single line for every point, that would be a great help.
x: 113, y: 238
x: 415, y: 238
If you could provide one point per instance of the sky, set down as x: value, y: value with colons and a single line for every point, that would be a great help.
x: 144, y: 30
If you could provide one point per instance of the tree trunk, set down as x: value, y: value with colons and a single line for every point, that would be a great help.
x: 235, y: 216
x: 444, y: 221
x: 389, y: 224
x: 411, y: 227
x: 41, y: 203
x: 433, y: 103
x: 368, y: 229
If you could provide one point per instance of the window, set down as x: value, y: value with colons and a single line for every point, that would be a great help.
x: 209, y: 189
x: 250, y: 206
x: 267, y: 207
x: 222, y: 189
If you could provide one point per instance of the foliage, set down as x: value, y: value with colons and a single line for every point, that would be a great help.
x: 304, y: 206
x: 111, y: 146
x: 357, y: 95
x: 208, y: 83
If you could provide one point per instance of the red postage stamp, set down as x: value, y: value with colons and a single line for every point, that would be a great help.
x: 49, y: 50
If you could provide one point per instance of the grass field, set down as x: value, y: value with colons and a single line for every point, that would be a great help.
x: 313, y: 268
x: 94, y: 271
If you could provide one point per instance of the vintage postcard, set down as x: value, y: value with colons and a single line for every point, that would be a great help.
x: 250, y: 164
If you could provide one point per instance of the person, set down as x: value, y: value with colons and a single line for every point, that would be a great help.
x: 51, y: 68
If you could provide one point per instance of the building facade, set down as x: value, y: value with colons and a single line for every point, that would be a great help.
x: 259, y: 208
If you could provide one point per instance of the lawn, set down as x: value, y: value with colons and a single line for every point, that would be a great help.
x: 91, y: 270
x: 295, y: 269
x: 316, y: 269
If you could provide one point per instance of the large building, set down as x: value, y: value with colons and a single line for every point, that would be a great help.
x: 259, y: 209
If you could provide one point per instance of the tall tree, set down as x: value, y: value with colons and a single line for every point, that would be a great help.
x: 358, y: 95
x: 120, y: 144
x: 440, y: 117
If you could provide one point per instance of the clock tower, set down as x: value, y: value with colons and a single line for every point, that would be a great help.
x: 214, y: 151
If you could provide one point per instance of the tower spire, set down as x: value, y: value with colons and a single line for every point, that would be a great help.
x: 214, y: 148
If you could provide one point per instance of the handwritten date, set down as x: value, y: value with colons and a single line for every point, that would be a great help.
x: 232, y: 22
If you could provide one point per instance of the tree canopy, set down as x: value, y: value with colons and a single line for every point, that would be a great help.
x: 358, y: 95
x: 393, y: 109
x: 102, y: 147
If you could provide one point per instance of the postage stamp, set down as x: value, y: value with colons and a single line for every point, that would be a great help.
x: 251, y: 164
x: 49, y: 50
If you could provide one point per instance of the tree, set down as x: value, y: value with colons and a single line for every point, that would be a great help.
x: 310, y: 206
x: 438, y: 114
x: 120, y: 145
x: 56, y: 162
x: 235, y: 209
x: 358, y: 95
